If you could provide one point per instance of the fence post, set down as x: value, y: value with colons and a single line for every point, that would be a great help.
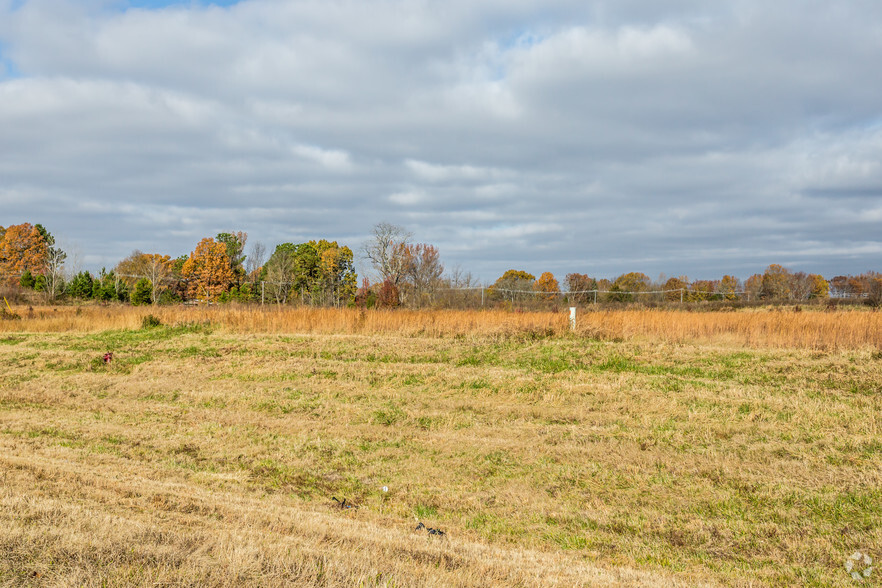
x: 572, y: 318
x: 681, y: 295
x: 262, y: 284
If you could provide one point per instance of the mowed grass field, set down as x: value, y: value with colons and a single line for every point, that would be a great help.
x: 208, y: 451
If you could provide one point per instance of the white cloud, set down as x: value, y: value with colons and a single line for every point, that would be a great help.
x: 581, y: 50
x: 333, y: 159
x: 444, y: 173
x: 408, y: 198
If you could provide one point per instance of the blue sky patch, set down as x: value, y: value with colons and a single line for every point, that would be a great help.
x: 8, y: 68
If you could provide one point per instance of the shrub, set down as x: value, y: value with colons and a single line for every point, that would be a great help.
x: 27, y: 280
x: 150, y: 321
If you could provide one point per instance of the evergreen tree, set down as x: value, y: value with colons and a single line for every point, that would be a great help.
x: 142, y: 292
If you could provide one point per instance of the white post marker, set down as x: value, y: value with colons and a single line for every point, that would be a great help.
x: 572, y: 318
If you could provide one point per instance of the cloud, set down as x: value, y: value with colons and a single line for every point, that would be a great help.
x: 334, y: 159
x: 600, y: 137
x: 446, y: 173
x: 407, y: 198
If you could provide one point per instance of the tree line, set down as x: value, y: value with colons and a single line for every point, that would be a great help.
x: 407, y: 273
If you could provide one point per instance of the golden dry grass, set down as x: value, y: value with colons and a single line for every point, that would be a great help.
x: 771, y: 328
x: 208, y: 455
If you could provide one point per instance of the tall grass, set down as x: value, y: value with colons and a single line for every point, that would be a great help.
x: 841, y: 329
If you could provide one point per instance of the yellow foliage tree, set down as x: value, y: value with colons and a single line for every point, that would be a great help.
x: 153, y: 267
x: 820, y: 286
x: 22, y: 248
x: 207, y: 271
x: 728, y: 286
x: 776, y: 283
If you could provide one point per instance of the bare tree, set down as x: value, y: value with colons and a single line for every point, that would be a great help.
x: 801, y: 286
x: 55, y: 258
x: 423, y: 270
x: 255, y: 258
x: 386, y: 250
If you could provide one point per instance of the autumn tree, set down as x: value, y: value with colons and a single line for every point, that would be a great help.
x: 337, y: 279
x: 153, y: 267
x: 819, y: 286
x: 675, y: 288
x: 208, y: 270
x: 862, y: 286
x: 386, y: 250
x: 548, y: 285
x: 838, y: 286
x: 22, y: 248
x: 513, y: 284
x: 776, y: 283
x: 754, y: 286
x: 580, y: 288
x: 728, y: 287
x: 874, y: 289
x: 701, y: 290
x: 625, y: 286
x: 388, y: 295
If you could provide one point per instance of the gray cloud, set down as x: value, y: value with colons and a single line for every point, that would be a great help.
x: 598, y: 137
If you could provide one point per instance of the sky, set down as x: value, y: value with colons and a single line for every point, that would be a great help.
x: 594, y: 136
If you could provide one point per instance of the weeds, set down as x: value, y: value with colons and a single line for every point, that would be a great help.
x: 752, y: 327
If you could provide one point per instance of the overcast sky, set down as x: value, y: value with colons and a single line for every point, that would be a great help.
x: 600, y: 137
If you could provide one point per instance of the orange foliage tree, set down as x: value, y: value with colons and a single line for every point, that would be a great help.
x: 22, y: 248
x: 207, y: 271
x: 675, y: 288
x: 548, y: 286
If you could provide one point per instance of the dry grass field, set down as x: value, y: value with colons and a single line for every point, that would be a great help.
x: 649, y: 448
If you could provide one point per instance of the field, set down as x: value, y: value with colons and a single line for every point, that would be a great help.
x: 647, y: 448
